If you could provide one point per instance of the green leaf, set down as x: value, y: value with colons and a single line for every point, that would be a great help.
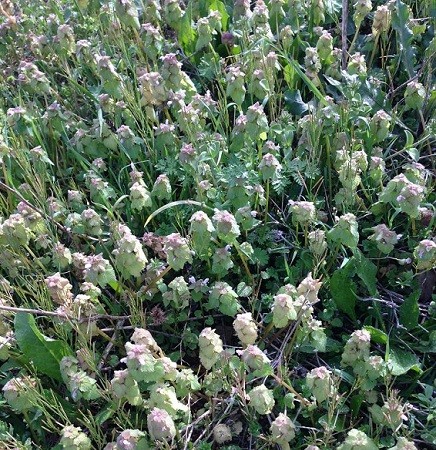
x: 366, y: 270
x: 216, y: 5
x: 413, y: 153
x: 343, y: 288
x: 409, y: 311
x: 243, y: 290
x: 105, y: 414
x: 400, y: 21
x: 378, y: 336
x: 294, y: 102
x: 288, y: 74
x: 356, y: 403
x: 187, y: 34
x: 45, y: 353
x: 401, y: 361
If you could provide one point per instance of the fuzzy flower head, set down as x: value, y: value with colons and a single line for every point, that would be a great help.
x: 130, y: 258
x: 356, y: 348
x: 14, y: 230
x: 131, y: 440
x: 141, y: 363
x: 245, y: 328
x: 425, y: 255
x: 144, y: 337
x: 226, y: 226
x: 312, y: 61
x: 235, y: 84
x: 324, y: 46
x: 261, y: 399
x: 124, y: 386
x: 201, y: 224
x: 73, y: 438
x: 18, y: 393
x: 303, y: 213
x: 160, y: 425
x: 151, y: 36
x: 140, y: 197
x: 382, y: 19
x: 282, y: 429
x: 319, y: 381
x: 254, y: 357
x: 222, y: 433
x: 357, y: 440
x: 223, y: 297
x: 283, y: 310
x: 384, y: 238
x: 410, y: 199
x: 361, y: 10
x: 309, y: 288
x: 269, y: 167
x: 151, y: 85
x: 317, y: 242
x: 162, y: 188
x: 59, y: 289
x: 127, y: 13
x: 177, y: 251
x: 98, y: 270
x: 404, y: 444
x: 257, y: 121
x: 357, y: 64
x: 345, y: 231
x: 211, y: 347
x: 164, y: 397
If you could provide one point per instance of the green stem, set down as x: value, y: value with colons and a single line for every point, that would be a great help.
x: 267, y: 202
x: 374, y: 49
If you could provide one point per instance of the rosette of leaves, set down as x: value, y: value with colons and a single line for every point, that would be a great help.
x: 164, y: 397
x: 178, y: 294
x: 142, y: 364
x: 201, y: 233
x: 223, y: 298
x: 345, y: 231
x: 357, y: 440
x: 210, y: 347
x: 73, y: 438
x: 160, y: 425
x: 177, y: 251
x: 261, y: 399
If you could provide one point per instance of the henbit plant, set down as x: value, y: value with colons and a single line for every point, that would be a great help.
x: 217, y: 224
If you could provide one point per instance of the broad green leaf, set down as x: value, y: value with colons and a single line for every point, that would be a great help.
x: 243, y: 290
x: 332, y: 7
x: 216, y: 5
x: 356, y: 403
x: 409, y: 310
x: 289, y: 74
x: 295, y: 103
x: 401, y: 361
x: 187, y: 34
x: 378, y: 336
x: 105, y: 414
x: 400, y: 23
x: 45, y: 353
x: 309, y: 83
x: 366, y: 270
x: 343, y: 288
x: 413, y: 153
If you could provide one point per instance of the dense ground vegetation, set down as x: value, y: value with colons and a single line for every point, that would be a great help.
x: 217, y: 224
